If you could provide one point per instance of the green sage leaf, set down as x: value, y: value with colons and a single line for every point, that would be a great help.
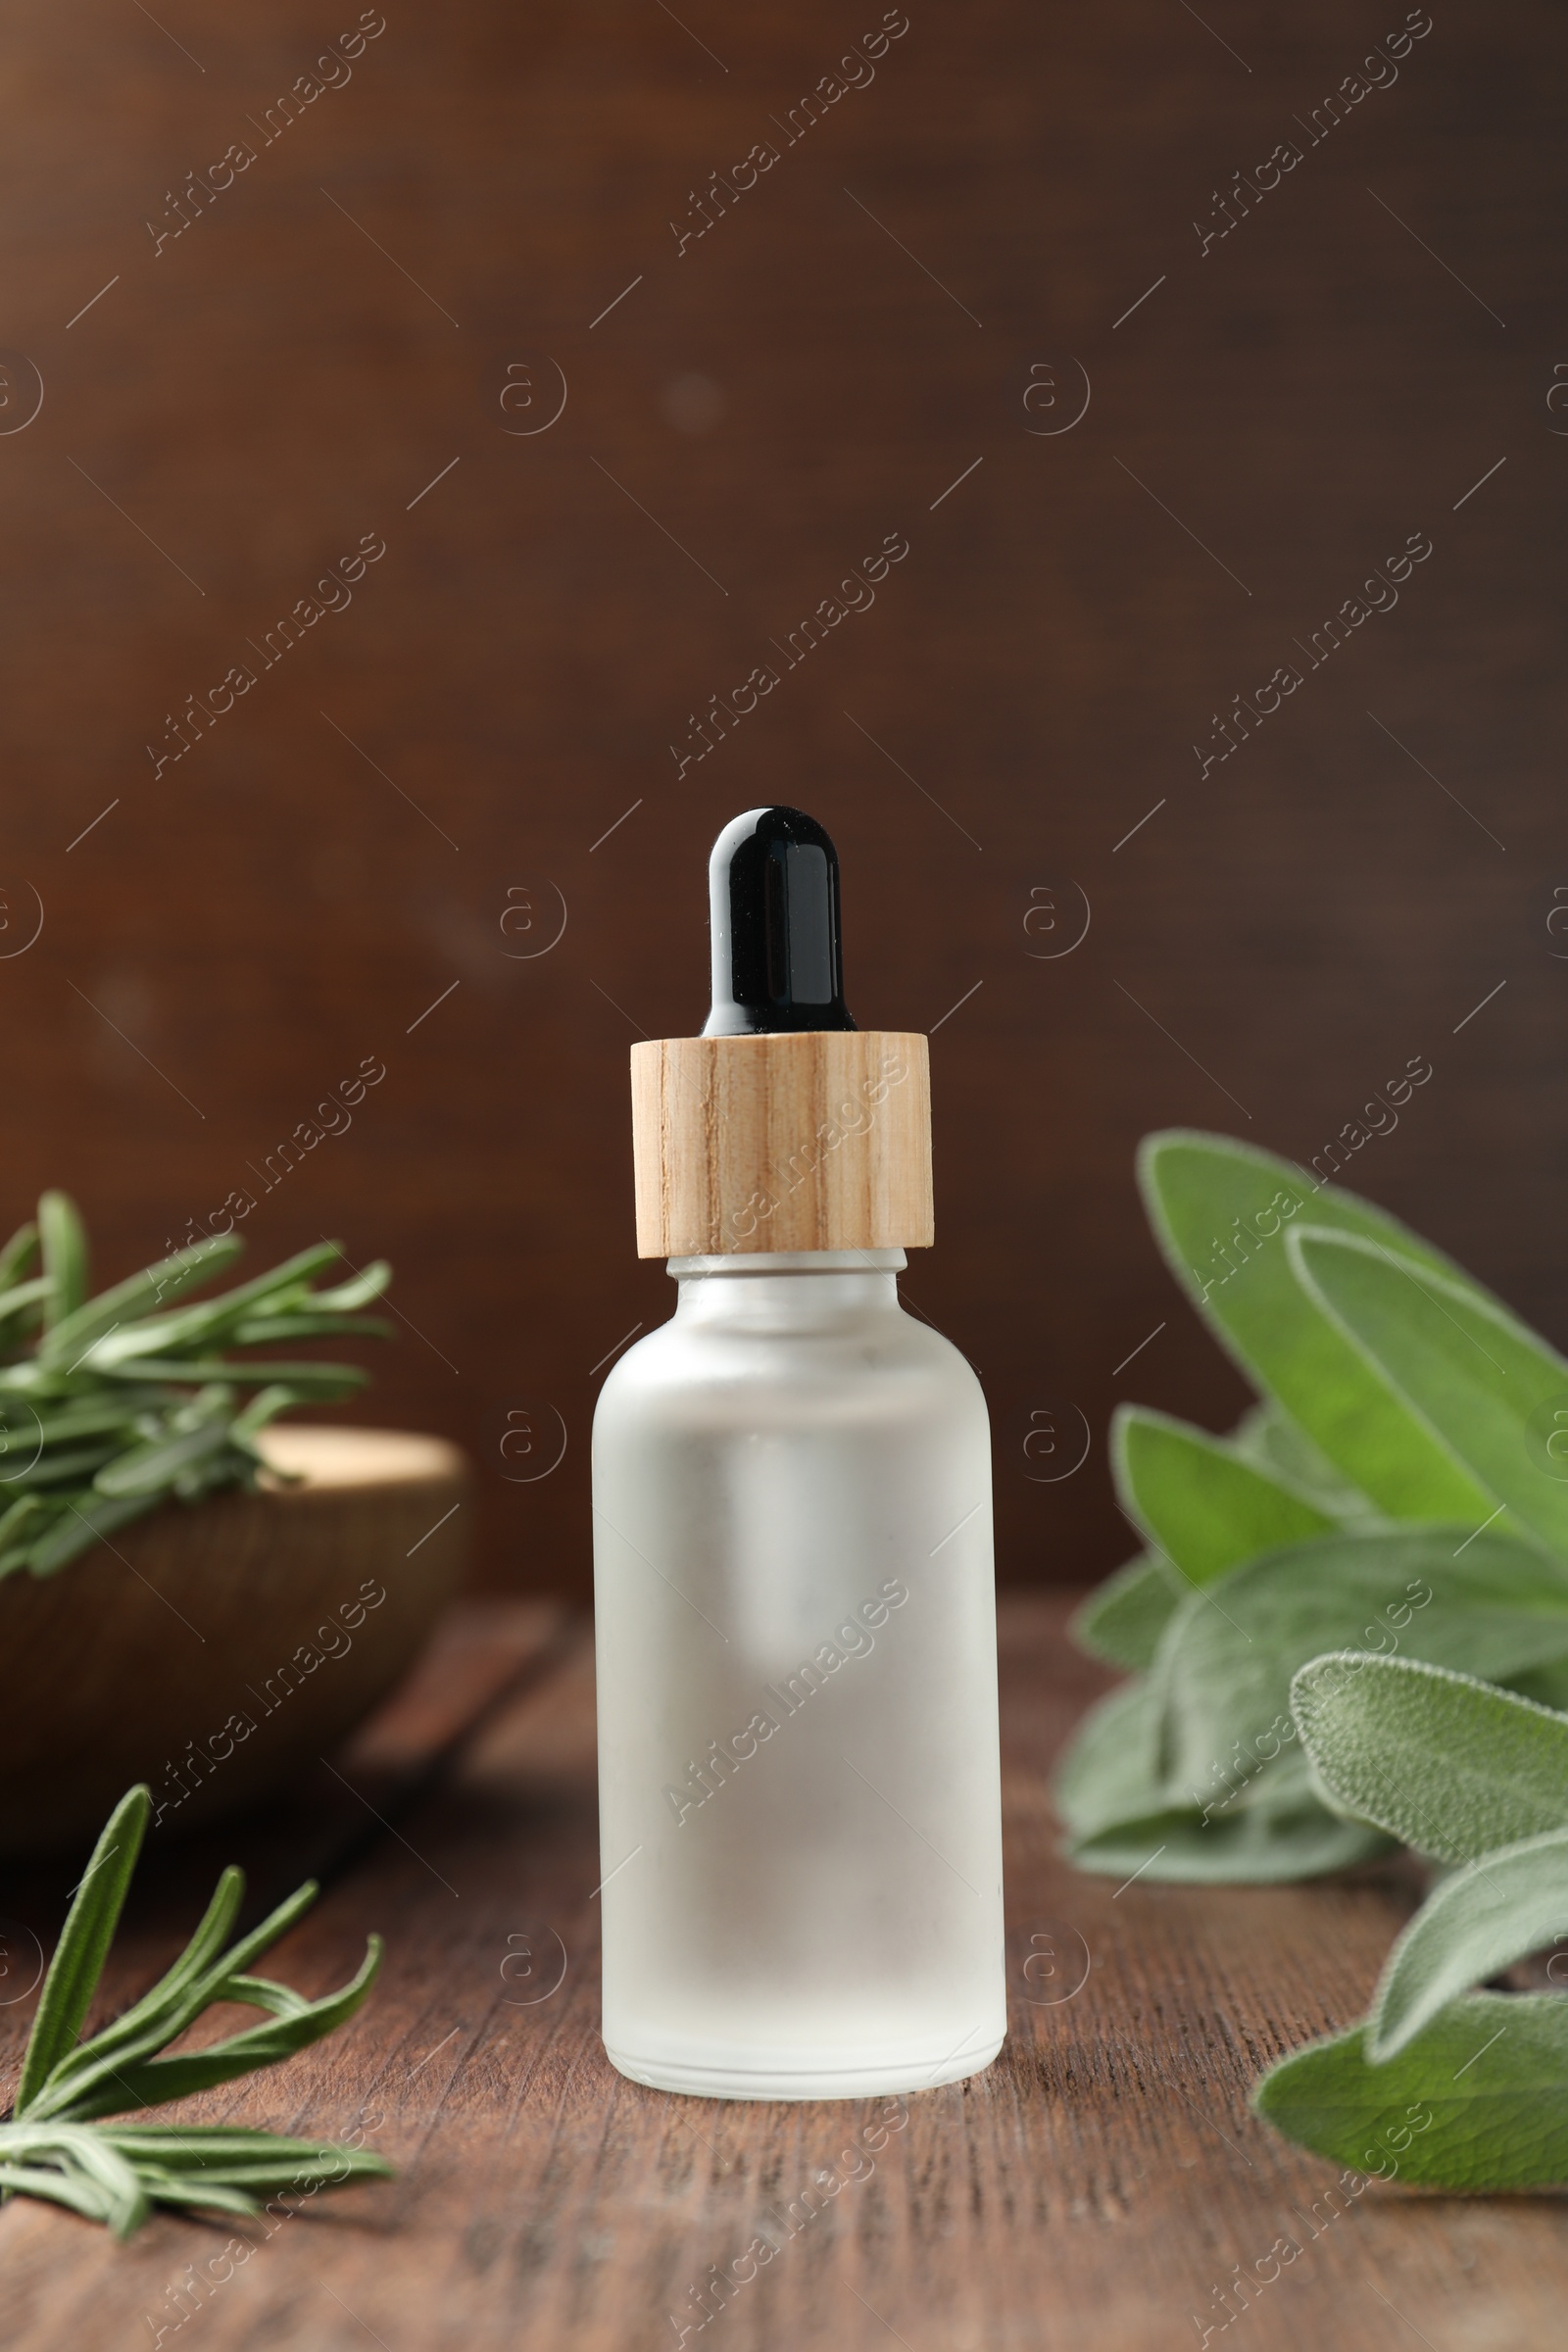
x: 1269, y: 1438
x: 1472, y: 1926
x: 1547, y: 1684
x: 1108, y: 1772
x: 1452, y: 1766
x: 1225, y: 1659
x: 1495, y: 1394
x: 1265, y: 1844
x: 1220, y: 1211
x: 1196, y: 1500
x: 1477, y: 2101
x: 1122, y: 1619
x: 1111, y: 1800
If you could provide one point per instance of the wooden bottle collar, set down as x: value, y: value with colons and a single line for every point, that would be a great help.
x: 805, y: 1140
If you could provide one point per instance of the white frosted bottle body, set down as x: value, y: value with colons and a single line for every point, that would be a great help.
x: 799, y: 1778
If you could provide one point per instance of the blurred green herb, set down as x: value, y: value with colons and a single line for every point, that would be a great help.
x: 54, y: 2145
x: 109, y: 1405
x: 1348, y: 1629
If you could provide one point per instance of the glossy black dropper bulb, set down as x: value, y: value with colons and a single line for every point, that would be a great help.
x: 773, y: 897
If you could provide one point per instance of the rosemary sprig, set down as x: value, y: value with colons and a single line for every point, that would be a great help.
x: 53, y: 2144
x: 107, y: 1405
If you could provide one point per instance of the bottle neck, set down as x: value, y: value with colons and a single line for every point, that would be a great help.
x: 806, y: 1290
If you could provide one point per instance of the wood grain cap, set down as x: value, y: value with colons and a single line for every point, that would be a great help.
x: 816, y: 1140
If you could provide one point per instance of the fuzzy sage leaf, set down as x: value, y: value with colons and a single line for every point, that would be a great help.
x: 1472, y: 1926
x: 1425, y: 1427
x: 1224, y: 1670
x: 1111, y: 1797
x: 1478, y: 2100
x: 1220, y: 1212
x: 1122, y: 1619
x: 1450, y: 1765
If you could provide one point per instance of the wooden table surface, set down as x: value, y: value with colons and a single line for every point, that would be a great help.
x: 1092, y: 2189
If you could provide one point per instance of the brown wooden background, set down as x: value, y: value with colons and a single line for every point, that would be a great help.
x: 335, y: 855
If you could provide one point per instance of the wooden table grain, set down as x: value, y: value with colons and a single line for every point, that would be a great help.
x: 1098, y: 2187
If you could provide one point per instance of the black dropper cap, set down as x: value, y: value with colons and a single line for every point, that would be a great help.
x: 773, y: 896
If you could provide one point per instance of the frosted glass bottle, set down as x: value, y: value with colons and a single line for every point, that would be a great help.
x: 798, y: 1781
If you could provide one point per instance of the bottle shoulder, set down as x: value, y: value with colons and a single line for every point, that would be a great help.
x: 840, y: 1355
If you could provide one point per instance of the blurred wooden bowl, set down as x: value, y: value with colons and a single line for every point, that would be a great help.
x: 210, y: 1651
